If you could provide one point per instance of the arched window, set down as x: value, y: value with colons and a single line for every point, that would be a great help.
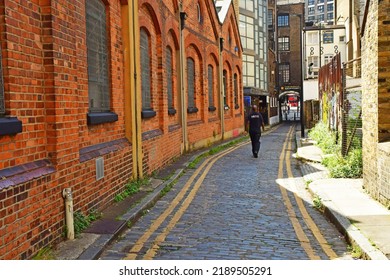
x: 235, y: 85
x: 191, y: 85
x: 97, y: 56
x: 145, y: 71
x: 210, y: 79
x: 225, y: 89
x: 199, y: 12
x: 2, y: 100
x: 169, y: 69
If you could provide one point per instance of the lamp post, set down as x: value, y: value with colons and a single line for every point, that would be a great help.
x: 301, y: 97
x: 301, y: 80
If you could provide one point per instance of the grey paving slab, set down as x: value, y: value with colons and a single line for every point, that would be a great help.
x: 365, y: 221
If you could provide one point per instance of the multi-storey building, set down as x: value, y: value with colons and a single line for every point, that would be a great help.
x: 290, y: 22
x: 253, y: 27
x: 273, y: 103
x: 320, y: 11
x: 320, y: 44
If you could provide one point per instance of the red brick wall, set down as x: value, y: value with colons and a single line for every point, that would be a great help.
x: 46, y: 87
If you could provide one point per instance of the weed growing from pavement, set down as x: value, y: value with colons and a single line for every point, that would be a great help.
x: 131, y: 188
x: 45, y: 253
x: 356, y: 251
x: 318, y: 203
x: 307, y: 183
x: 81, y: 221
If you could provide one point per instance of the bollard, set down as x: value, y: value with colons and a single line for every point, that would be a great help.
x: 67, y: 195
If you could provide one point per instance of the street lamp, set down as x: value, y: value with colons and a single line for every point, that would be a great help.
x: 301, y: 100
x: 301, y: 80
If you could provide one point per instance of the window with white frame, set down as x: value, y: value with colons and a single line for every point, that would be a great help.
x: 312, y: 38
x: 284, y: 72
x: 328, y: 58
x: 314, y: 60
x: 247, y: 5
x: 284, y: 43
x: 248, y: 70
x: 247, y: 30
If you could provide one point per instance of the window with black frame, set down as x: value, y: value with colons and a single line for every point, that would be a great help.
x: 8, y: 125
x: 170, y: 87
x: 191, y: 86
x: 99, y: 91
x: 97, y: 55
x: 210, y: 79
x: 2, y: 100
x: 235, y: 85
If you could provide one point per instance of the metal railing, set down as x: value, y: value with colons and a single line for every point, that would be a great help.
x: 352, y: 106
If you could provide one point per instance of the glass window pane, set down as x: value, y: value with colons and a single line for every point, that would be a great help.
x: 145, y: 70
x: 169, y: 79
x: 97, y: 56
x: 2, y: 101
x: 191, y: 82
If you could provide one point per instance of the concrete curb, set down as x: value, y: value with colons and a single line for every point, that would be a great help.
x: 352, y: 234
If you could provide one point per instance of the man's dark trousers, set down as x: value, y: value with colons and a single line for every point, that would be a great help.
x: 255, y: 139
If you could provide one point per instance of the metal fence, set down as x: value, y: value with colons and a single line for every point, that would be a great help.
x: 352, y: 106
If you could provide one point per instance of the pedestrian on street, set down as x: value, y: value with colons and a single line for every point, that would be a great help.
x: 255, y: 122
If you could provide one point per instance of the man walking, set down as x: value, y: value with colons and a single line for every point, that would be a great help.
x: 255, y: 123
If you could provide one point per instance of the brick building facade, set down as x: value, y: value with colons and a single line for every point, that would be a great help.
x: 376, y: 100
x: 102, y: 85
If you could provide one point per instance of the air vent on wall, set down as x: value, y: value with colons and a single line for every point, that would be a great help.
x: 99, y: 168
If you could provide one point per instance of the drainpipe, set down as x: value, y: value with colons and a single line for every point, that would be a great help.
x: 132, y: 87
x: 222, y: 89
x: 183, y: 99
x: 136, y: 68
x: 67, y: 195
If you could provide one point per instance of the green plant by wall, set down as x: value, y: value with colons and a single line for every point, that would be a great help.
x: 326, y: 139
x: 81, y: 221
x: 45, y: 253
x: 348, y: 167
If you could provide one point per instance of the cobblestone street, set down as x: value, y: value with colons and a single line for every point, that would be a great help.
x: 241, y: 209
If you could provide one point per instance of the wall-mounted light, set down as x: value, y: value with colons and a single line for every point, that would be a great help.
x: 183, y: 17
x: 236, y: 49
